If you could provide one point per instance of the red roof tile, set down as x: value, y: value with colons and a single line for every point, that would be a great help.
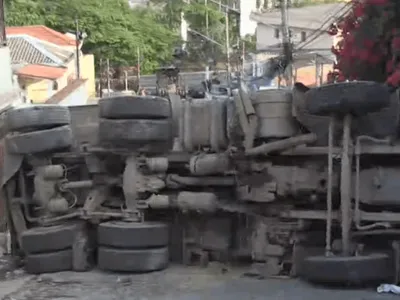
x: 41, y: 71
x: 43, y: 33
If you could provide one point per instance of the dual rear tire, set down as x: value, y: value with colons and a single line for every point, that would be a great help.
x: 132, y: 247
x: 139, y: 122
x: 57, y: 248
x: 37, y: 129
x: 122, y: 247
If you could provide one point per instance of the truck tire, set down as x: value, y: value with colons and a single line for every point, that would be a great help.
x: 37, y: 116
x: 135, y: 107
x: 48, y: 239
x: 133, y: 235
x: 352, y: 270
x: 381, y: 124
x: 39, y: 141
x: 135, y: 261
x: 49, y: 262
x: 356, y: 98
x: 135, y: 131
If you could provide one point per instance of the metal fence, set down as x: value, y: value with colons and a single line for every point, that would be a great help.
x: 146, y: 81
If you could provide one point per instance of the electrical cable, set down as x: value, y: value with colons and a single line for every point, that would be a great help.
x: 322, y: 30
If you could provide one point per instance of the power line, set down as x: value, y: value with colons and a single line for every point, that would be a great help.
x: 322, y: 30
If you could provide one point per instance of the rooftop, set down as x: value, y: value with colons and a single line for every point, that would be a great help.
x: 41, y: 71
x: 308, y: 17
x: 43, y: 33
x: 27, y: 49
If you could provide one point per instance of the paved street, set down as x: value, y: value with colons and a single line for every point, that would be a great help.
x: 177, y: 283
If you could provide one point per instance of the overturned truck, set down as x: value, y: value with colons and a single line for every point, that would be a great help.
x: 298, y: 182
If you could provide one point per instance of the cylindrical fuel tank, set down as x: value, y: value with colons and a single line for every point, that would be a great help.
x: 274, y: 110
x: 204, y: 123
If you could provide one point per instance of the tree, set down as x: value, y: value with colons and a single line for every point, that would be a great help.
x: 370, y: 44
x: 24, y: 12
x: 169, y: 12
x: 114, y: 31
x: 196, y: 14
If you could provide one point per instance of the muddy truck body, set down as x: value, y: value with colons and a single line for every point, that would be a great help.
x: 300, y: 182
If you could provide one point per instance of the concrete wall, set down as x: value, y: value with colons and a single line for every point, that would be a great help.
x: 88, y: 72
x: 307, y: 75
x: 6, y: 83
x: 37, y: 90
x: 77, y: 97
x: 265, y: 36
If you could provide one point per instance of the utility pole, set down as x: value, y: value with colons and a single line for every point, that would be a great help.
x: 228, y: 50
x: 287, y: 48
x: 108, y: 77
x: 206, y: 5
x: 138, y: 67
x: 101, y: 78
x: 77, y: 42
x: 2, y: 25
x: 126, y: 80
x: 243, y: 55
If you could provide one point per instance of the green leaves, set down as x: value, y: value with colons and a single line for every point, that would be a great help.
x: 24, y: 12
x: 114, y: 31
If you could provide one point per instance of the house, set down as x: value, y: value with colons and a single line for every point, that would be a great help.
x: 45, y: 62
x: 10, y: 93
x: 307, y: 26
x: 248, y: 24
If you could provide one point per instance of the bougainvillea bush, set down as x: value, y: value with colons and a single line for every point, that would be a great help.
x: 369, y: 48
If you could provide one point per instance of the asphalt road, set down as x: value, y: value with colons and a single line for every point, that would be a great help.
x: 176, y: 283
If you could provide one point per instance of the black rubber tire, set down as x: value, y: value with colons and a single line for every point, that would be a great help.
x: 356, y: 98
x: 120, y: 234
x: 135, y: 131
x: 381, y: 124
x: 351, y: 270
x: 39, y: 141
x: 135, y: 261
x: 48, y: 239
x: 50, y: 262
x: 135, y: 107
x: 37, y: 116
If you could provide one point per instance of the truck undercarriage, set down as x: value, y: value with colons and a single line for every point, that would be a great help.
x: 296, y: 182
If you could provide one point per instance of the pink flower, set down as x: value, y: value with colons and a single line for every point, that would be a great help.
x: 359, y: 10
x: 396, y: 43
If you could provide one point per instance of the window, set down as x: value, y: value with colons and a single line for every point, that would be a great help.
x: 55, y: 85
x: 303, y: 36
x: 276, y: 33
